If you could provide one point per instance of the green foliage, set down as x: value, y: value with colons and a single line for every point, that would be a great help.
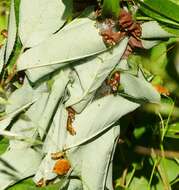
x: 111, y: 8
x: 4, y: 143
x: 164, y: 12
x: 28, y: 184
x: 4, y: 13
x: 167, y: 9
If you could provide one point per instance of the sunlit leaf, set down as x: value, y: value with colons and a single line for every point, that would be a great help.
x: 39, y: 19
x: 85, y: 162
x: 17, y: 164
x: 152, y: 30
x: 82, y: 33
x: 98, y: 117
x: 57, y: 91
x: 139, y: 88
x: 91, y: 74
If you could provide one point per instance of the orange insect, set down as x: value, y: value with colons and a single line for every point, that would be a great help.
x: 162, y: 90
x: 62, y: 167
x: 41, y: 183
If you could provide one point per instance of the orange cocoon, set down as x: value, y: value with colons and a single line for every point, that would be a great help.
x: 162, y: 90
x: 61, y: 167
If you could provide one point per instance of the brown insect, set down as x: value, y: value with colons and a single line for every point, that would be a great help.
x: 128, y: 27
x: 4, y: 33
x: 114, y: 81
x: 71, y: 117
x: 57, y: 155
x: 111, y: 38
x: 62, y: 167
x: 41, y: 183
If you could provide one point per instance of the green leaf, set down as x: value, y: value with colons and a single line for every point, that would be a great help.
x: 173, y: 131
x: 13, y: 58
x: 28, y: 184
x: 138, y: 132
x: 166, y: 8
x: 171, y: 30
x: 169, y: 168
x: 111, y: 8
x: 157, y: 16
x: 138, y: 183
x: 4, y: 143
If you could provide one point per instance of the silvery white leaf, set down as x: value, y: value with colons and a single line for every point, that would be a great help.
x: 153, y: 30
x: 19, y: 101
x: 54, y: 142
x: 98, y: 166
x: 16, y: 165
x: 12, y: 30
x: 108, y: 181
x: 45, y: 170
x: 75, y: 91
x: 139, y: 88
x: 147, y: 44
x: 58, y: 88
x: 37, y: 73
x: 24, y: 95
x: 8, y: 133
x: 27, y: 127
x: 92, y: 73
x: 2, y: 53
x: 39, y: 19
x: 64, y: 46
x: 26, y: 134
x: 74, y: 184
x: 8, y: 118
x: 91, y: 160
x: 123, y: 64
x: 98, y: 117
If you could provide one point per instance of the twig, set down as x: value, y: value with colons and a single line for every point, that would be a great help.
x: 150, y: 151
